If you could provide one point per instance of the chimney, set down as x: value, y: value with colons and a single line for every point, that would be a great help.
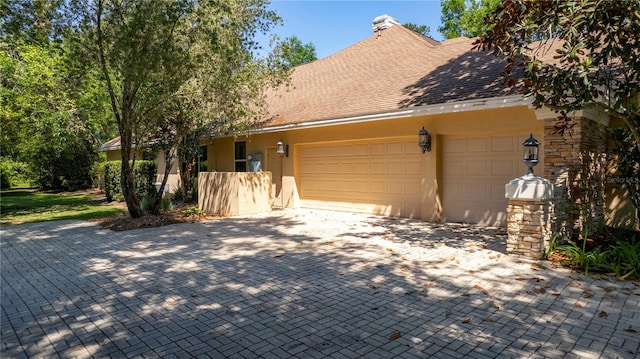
x: 383, y: 22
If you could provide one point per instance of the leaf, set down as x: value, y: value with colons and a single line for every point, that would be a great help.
x: 488, y: 320
x: 578, y: 305
x: 603, y: 314
x: 481, y: 289
x: 260, y: 309
x: 608, y: 289
x: 277, y: 256
x: 631, y: 330
x: 539, y: 290
x: 170, y: 302
x: 404, y: 269
x: 395, y: 335
x: 573, y: 284
x: 466, y: 320
x: 390, y: 249
x: 521, y: 278
x: 536, y: 267
x: 429, y: 284
x: 587, y: 295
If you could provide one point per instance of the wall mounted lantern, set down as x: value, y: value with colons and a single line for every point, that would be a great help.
x: 424, y: 140
x: 530, y: 155
x: 283, y: 150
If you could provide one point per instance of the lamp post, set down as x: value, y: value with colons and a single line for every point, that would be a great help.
x: 531, y: 149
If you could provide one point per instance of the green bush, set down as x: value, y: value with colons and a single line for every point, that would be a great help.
x: 621, y: 257
x: 144, y: 173
x: 13, y: 173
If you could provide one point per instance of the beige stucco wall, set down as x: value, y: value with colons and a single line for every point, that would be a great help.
x: 234, y: 193
x: 490, y: 122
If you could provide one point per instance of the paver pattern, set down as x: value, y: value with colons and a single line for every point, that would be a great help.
x: 300, y: 284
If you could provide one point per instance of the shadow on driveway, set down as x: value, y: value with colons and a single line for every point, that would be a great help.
x: 299, y: 284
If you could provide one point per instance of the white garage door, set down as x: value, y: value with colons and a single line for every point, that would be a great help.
x: 474, y: 172
x: 373, y: 176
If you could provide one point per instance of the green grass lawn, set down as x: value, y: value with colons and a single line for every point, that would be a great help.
x: 20, y: 205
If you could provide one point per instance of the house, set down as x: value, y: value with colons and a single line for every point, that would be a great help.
x: 350, y: 124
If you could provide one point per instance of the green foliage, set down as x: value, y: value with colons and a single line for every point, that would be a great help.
x: 48, y: 113
x: 621, y: 258
x: 23, y: 205
x: 465, y: 17
x: 594, y: 45
x: 13, y: 173
x: 144, y: 174
x: 627, y: 164
x: 295, y: 53
x: 420, y: 29
x: 193, y: 212
x: 172, y: 67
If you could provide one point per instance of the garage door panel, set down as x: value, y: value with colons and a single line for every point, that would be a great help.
x: 454, y: 145
x: 477, y: 145
x: 360, y: 168
x: 395, y: 148
x: 477, y: 168
x: 373, y: 176
x: 377, y: 149
x: 395, y: 169
x: 504, y: 144
x: 502, y: 168
x: 455, y: 167
x: 378, y: 168
x: 377, y: 186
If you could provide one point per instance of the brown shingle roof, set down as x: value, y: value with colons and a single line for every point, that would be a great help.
x: 393, y: 69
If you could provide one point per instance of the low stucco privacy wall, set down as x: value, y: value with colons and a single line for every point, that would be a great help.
x: 234, y: 193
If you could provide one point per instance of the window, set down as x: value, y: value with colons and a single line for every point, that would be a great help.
x: 202, y: 159
x: 240, y: 156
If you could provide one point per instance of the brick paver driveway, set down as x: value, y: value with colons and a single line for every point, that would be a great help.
x: 300, y: 284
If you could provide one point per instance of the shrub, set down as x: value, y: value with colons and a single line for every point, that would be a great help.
x: 144, y: 174
x: 13, y: 173
x: 619, y: 255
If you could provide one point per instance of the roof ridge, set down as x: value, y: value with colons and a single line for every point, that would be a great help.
x: 428, y: 39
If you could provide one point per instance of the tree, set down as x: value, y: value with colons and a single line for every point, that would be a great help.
x: 420, y: 29
x: 295, y: 53
x: 465, y: 17
x: 596, y: 60
x: 171, y: 67
x: 49, y: 121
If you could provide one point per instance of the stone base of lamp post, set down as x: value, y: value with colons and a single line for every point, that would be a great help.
x: 528, y: 228
x: 529, y: 216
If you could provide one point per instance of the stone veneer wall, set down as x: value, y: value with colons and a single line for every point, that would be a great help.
x: 529, y: 228
x: 575, y: 163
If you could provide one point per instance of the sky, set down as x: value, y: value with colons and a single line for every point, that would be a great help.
x: 332, y: 25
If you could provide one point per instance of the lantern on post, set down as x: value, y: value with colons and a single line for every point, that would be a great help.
x: 531, y: 149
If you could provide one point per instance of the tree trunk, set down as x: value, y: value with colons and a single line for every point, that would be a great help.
x: 127, y: 179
